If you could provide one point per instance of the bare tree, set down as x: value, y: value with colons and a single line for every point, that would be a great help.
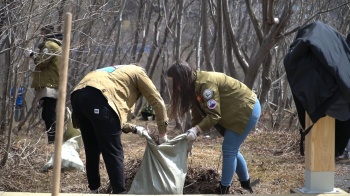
x: 242, y: 38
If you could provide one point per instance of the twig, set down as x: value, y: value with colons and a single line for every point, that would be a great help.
x: 190, y: 184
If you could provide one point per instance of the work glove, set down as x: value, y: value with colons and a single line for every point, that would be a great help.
x: 128, y: 128
x: 141, y: 131
x: 192, y: 133
x: 163, y: 139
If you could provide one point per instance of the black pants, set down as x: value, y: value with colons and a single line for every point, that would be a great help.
x: 101, y: 131
x: 342, y: 136
x: 49, y: 116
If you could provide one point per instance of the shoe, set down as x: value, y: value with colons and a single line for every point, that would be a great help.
x: 221, y: 190
x: 94, y: 191
x: 246, y: 185
x: 344, y: 155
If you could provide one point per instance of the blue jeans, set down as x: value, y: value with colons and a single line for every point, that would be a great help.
x: 233, y: 161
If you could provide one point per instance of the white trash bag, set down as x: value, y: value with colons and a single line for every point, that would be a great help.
x: 163, y: 168
x: 69, y: 156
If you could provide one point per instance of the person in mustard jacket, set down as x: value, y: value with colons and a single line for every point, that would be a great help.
x: 101, y: 103
x: 46, y: 77
x: 216, y: 99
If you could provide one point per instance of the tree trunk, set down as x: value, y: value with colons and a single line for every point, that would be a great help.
x: 138, y: 30
x: 219, y: 51
x: 266, y: 80
x: 204, y: 22
x: 177, y: 43
x: 231, y: 35
x: 116, y: 45
x: 6, y: 85
x: 145, y: 31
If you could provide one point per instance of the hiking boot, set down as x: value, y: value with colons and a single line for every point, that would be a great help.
x: 246, y: 185
x: 221, y: 190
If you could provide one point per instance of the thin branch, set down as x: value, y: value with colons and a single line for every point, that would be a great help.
x: 312, y: 17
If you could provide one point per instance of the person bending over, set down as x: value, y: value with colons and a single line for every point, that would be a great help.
x: 101, y: 102
x: 216, y: 99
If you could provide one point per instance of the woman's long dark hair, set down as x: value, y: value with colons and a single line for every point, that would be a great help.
x: 183, y: 88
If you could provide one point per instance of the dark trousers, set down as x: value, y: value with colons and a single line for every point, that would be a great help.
x: 101, y: 132
x: 49, y: 116
x: 18, y: 113
x: 342, y: 136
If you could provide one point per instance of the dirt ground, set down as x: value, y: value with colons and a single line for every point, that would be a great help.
x: 273, y: 159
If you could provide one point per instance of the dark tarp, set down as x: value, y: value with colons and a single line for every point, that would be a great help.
x: 318, y: 71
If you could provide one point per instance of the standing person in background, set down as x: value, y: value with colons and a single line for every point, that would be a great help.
x: 215, y: 98
x: 19, y: 103
x: 101, y: 103
x: 46, y: 77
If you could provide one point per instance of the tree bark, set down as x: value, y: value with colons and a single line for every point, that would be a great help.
x: 116, y: 45
x: 204, y: 22
x: 178, y: 40
x: 4, y: 120
x: 219, y: 51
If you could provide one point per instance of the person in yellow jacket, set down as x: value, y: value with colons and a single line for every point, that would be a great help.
x: 216, y: 100
x: 46, y: 77
x: 101, y: 103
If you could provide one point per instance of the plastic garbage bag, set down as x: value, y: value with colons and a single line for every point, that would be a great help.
x: 71, y: 131
x: 69, y: 156
x: 163, y: 168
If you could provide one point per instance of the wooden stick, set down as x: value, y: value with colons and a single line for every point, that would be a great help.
x: 61, y: 104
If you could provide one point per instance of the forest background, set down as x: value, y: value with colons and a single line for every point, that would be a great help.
x: 246, y: 39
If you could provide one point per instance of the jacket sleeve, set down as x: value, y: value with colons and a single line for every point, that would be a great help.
x: 149, y: 91
x: 47, y: 52
x: 210, y: 105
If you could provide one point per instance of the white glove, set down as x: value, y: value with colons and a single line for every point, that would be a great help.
x: 192, y: 134
x: 141, y: 131
x: 28, y: 53
x: 163, y: 139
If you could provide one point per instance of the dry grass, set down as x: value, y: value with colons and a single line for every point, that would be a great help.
x: 272, y: 157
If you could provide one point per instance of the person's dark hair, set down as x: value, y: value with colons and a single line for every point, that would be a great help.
x: 183, y: 88
x: 49, y: 33
x: 48, y: 29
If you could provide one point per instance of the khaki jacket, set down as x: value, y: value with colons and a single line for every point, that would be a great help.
x: 122, y: 86
x: 224, y: 100
x: 47, y: 65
